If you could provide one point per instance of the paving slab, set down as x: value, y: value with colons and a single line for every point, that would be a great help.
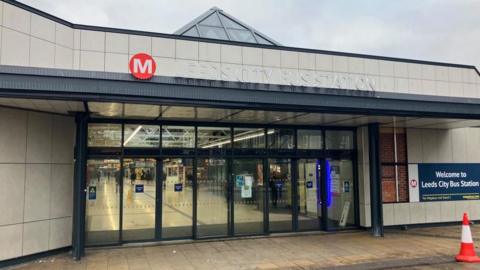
x: 414, y: 248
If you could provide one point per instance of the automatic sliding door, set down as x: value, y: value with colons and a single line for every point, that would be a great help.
x: 309, y: 202
x: 248, y: 195
x: 340, y: 202
x: 103, y: 201
x: 139, y: 193
x: 212, y: 197
x: 280, y: 195
x: 177, y: 198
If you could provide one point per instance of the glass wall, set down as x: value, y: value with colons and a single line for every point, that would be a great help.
x: 103, y: 201
x: 139, y: 197
x: 177, y: 203
x: 224, y: 172
x: 280, y: 195
x: 309, y: 202
x: 340, y: 200
x: 212, y: 197
x: 248, y: 196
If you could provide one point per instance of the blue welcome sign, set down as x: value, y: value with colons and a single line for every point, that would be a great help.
x: 448, y: 181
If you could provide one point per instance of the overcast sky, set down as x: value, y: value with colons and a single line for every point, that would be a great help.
x: 436, y: 30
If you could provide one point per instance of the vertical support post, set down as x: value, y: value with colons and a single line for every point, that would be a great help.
x: 79, y: 188
x: 375, y: 179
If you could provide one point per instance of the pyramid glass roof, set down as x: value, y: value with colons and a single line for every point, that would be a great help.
x: 216, y: 24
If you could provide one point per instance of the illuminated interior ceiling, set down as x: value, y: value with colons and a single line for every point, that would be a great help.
x: 225, y: 115
x: 217, y: 24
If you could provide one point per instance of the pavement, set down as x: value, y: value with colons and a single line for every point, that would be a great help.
x: 419, y: 248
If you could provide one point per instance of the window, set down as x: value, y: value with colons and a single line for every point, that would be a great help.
x: 178, y: 137
x: 104, y: 135
x: 141, y: 136
x: 339, y: 139
x: 280, y: 138
x: 309, y: 139
x: 394, y: 171
x: 249, y: 138
x: 214, y: 137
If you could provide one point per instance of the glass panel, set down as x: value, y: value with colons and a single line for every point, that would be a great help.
x: 280, y: 199
x: 104, y: 135
x: 230, y: 24
x: 339, y: 139
x: 177, y: 205
x: 340, y: 200
x: 192, y: 32
x: 280, y: 138
x: 212, y: 32
x: 177, y: 136
x: 139, y: 199
x: 249, y: 138
x: 261, y: 40
x: 214, y: 137
x: 309, y: 139
x: 248, y: 194
x: 212, y: 200
x: 103, y: 201
x: 212, y: 20
x: 141, y: 136
x: 241, y: 35
x: 309, y: 202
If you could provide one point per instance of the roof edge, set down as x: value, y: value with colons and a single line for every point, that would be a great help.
x: 227, y: 42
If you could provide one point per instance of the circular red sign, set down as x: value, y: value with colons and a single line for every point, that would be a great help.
x: 142, y: 66
x: 413, y: 183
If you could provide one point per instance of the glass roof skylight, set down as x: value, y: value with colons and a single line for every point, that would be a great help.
x: 216, y: 24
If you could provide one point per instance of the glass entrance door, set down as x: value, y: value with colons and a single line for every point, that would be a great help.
x: 212, y: 197
x: 102, y: 201
x: 341, y: 204
x: 139, y: 199
x: 308, y: 194
x: 177, y: 198
x: 280, y: 195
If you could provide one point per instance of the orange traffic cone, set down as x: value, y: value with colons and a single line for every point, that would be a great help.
x: 467, y: 249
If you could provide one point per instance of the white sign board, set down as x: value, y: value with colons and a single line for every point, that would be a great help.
x: 344, y: 217
x: 413, y: 183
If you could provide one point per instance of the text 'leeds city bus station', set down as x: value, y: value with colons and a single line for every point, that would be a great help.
x: 111, y: 136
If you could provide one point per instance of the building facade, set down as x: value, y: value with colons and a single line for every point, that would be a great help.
x: 111, y: 136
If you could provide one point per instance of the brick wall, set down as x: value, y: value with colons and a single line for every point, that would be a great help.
x: 391, y: 169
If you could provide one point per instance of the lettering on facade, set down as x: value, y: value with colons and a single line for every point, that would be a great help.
x: 266, y: 75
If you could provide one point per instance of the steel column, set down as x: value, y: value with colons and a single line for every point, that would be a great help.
x: 78, y: 232
x: 375, y: 179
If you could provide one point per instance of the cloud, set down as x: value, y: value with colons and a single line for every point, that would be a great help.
x: 437, y: 30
